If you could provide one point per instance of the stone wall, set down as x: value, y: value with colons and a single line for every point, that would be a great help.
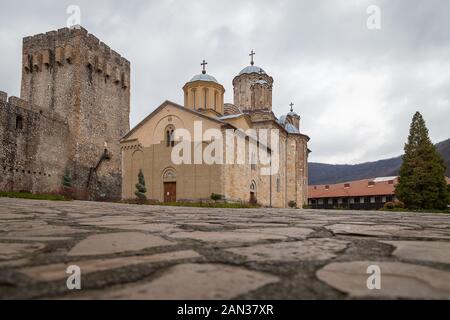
x: 33, y: 151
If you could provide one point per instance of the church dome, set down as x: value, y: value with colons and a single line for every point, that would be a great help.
x: 203, y: 77
x: 252, y: 69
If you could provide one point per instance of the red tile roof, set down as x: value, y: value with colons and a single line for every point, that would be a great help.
x: 357, y: 188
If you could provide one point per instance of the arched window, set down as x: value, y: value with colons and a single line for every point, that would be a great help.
x: 278, y: 183
x: 19, y: 123
x: 170, y: 141
x: 253, y: 186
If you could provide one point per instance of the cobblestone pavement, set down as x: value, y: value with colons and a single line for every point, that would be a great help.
x: 151, y: 252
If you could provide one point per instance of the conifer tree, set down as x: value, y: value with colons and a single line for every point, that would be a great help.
x: 67, y: 181
x: 422, y: 183
x: 141, y: 190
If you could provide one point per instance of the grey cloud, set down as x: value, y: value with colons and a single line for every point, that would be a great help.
x: 356, y: 89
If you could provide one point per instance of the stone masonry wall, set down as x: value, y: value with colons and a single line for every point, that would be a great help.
x: 33, y: 151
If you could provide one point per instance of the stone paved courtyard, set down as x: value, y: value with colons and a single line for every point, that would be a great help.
x: 151, y: 252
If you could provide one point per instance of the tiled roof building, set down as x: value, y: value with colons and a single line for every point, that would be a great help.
x: 367, y: 194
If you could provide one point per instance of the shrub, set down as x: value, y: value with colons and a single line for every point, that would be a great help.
x: 292, y: 204
x: 216, y: 197
x: 389, y: 205
x: 399, y: 204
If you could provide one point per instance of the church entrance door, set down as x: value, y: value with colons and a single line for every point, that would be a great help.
x: 252, y: 198
x: 170, y: 192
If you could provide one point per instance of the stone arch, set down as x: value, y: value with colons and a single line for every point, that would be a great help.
x: 169, y: 175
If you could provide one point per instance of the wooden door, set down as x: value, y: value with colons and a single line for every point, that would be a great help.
x: 252, y: 198
x: 170, y: 192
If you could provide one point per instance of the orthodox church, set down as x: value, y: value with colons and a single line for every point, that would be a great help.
x: 151, y: 144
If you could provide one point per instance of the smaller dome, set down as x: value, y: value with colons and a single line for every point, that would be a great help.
x: 203, y: 77
x: 251, y: 69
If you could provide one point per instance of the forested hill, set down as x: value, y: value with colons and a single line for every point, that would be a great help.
x: 321, y: 173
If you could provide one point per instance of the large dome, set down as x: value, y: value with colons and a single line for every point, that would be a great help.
x: 251, y: 69
x: 203, y: 77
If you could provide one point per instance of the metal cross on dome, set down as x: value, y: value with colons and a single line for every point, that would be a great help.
x: 292, y: 106
x: 251, y: 55
x: 204, y: 63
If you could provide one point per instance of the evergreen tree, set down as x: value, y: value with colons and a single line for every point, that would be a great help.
x: 67, y: 181
x: 422, y: 182
x: 141, y: 190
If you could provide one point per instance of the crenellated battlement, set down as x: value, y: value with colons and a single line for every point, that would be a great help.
x: 28, y: 107
x: 64, y: 35
x: 65, y: 47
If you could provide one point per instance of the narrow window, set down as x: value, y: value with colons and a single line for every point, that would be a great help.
x: 205, y: 93
x: 19, y: 123
x: 278, y: 184
x: 216, y: 100
x: 170, y: 141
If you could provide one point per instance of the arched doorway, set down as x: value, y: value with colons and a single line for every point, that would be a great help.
x: 253, y: 199
x: 170, y: 185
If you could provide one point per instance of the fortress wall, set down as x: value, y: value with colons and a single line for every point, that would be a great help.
x: 33, y: 150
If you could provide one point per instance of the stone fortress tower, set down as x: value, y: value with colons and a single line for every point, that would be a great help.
x: 74, y: 108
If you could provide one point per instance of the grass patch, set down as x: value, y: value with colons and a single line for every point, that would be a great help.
x: 209, y: 205
x: 32, y: 196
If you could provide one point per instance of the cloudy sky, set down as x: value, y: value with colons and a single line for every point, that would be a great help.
x: 355, y: 88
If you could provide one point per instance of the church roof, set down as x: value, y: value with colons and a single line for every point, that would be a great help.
x: 203, y: 77
x: 289, y: 127
x: 251, y: 69
x: 173, y: 104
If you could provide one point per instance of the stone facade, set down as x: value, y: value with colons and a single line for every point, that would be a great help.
x: 148, y: 147
x: 74, y: 108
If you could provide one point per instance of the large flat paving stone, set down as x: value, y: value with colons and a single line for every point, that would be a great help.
x: 366, y: 230
x: 16, y: 250
x: 102, y: 244
x: 293, y: 232
x: 398, y: 280
x: 435, y: 251
x: 58, y: 271
x: 226, y: 236
x: 308, y: 250
x: 193, y: 282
